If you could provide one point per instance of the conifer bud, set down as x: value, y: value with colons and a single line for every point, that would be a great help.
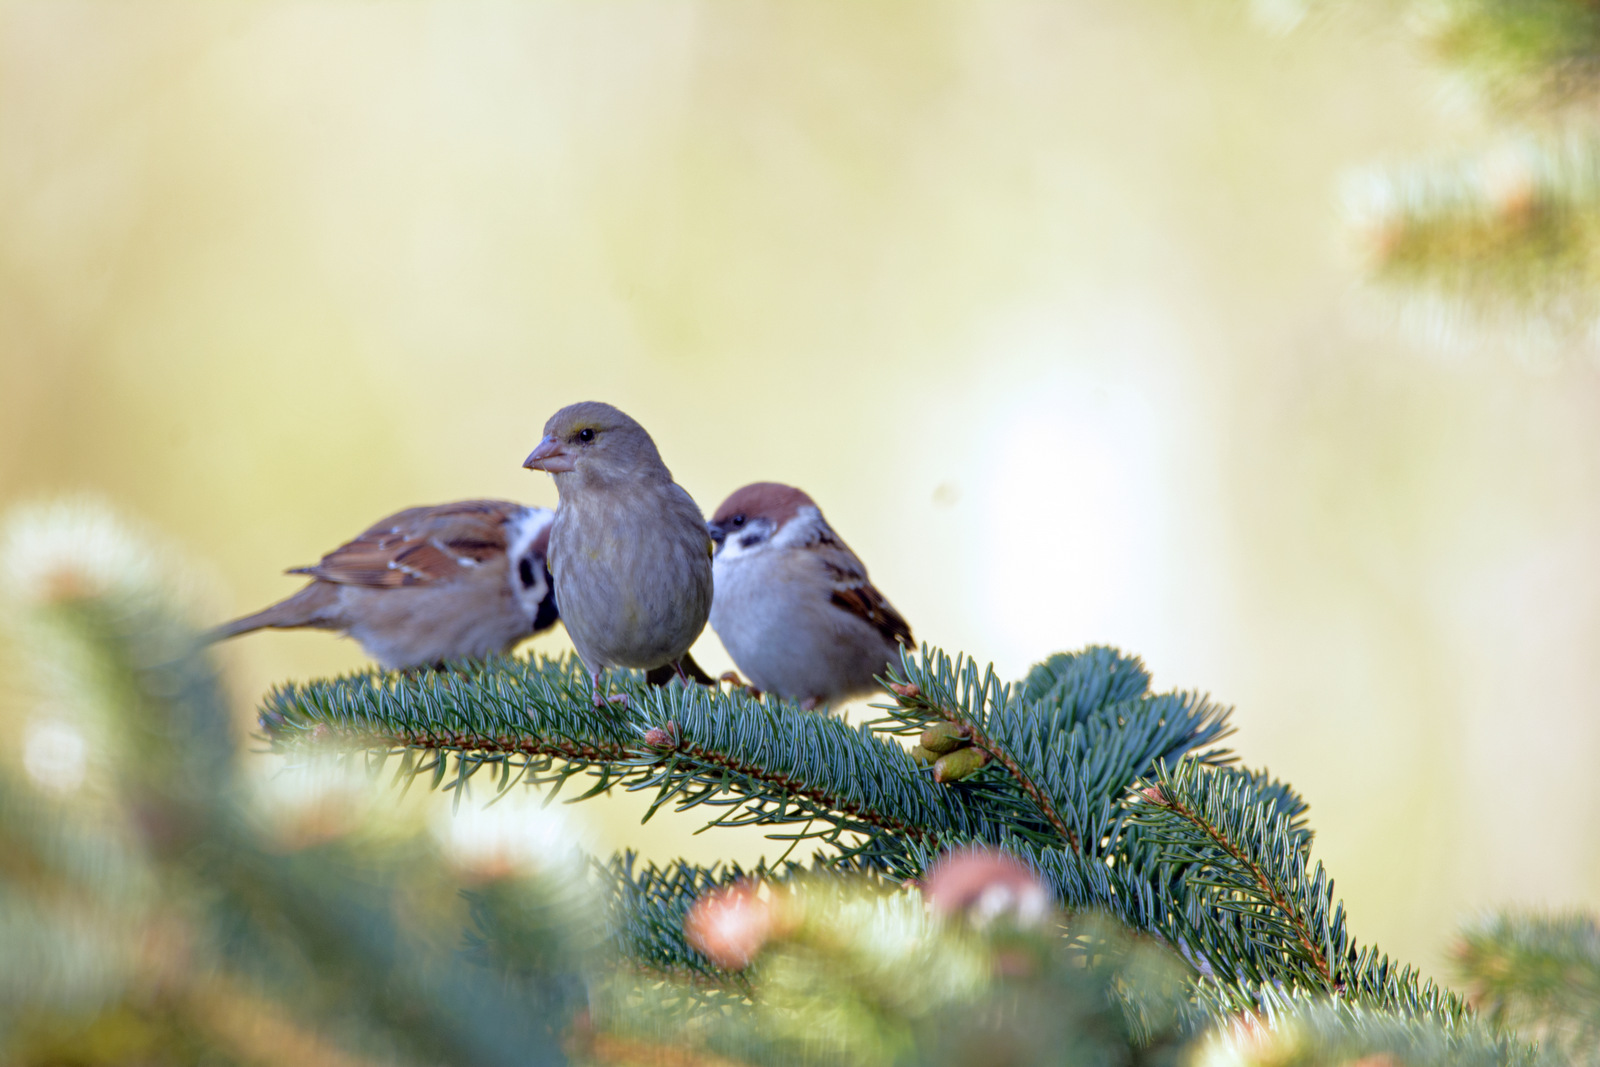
x: 662, y: 736
x: 962, y: 763
x: 923, y: 757
x: 908, y: 690
x: 944, y: 737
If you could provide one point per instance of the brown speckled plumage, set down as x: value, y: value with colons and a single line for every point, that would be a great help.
x: 427, y: 584
x: 794, y: 607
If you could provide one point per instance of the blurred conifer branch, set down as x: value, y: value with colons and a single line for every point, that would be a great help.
x: 148, y: 913
x: 1508, y: 241
x: 1218, y: 868
x: 1504, y: 243
x: 1538, y: 975
x: 1523, y: 57
x: 145, y: 913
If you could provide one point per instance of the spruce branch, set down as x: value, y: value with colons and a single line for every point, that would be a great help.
x: 351, y: 948
x: 1270, y: 888
x: 1219, y: 869
x: 1246, y: 906
x: 768, y: 763
x: 647, y: 904
x: 1076, y: 684
x: 915, y: 701
x: 1072, y: 737
x: 1062, y: 760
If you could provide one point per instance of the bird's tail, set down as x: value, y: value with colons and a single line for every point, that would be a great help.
x: 685, y: 668
x: 259, y: 621
x: 307, y: 608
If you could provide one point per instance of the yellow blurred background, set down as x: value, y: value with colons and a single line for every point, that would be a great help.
x: 1046, y: 303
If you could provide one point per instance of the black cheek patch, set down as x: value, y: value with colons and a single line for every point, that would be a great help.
x: 750, y: 540
x: 547, y: 614
x: 525, y: 572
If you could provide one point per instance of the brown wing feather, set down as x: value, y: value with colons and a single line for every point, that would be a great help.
x: 418, y: 545
x: 853, y: 593
x: 865, y: 602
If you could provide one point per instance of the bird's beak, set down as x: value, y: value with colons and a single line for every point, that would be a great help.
x: 551, y: 456
x: 717, y: 533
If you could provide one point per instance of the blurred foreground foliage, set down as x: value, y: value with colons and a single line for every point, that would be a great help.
x: 1502, y: 242
x: 1095, y: 882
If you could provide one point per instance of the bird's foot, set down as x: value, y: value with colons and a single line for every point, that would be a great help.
x: 733, y: 679
x: 603, y: 699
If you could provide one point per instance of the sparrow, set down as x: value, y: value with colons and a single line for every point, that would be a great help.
x: 427, y: 584
x: 793, y: 604
x: 629, y: 551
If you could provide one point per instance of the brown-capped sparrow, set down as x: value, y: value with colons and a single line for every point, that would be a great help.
x: 628, y: 550
x: 794, y: 607
x: 428, y: 584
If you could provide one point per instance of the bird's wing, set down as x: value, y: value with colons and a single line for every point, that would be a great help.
x: 853, y: 593
x: 437, y: 543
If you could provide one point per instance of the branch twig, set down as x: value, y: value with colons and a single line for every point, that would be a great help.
x: 1162, y: 798
x: 980, y: 739
x: 462, y: 743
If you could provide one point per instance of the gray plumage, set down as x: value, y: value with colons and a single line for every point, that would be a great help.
x: 629, y: 552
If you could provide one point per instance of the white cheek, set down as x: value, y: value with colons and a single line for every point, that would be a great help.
x: 800, y: 531
x: 734, y: 548
x: 529, y: 597
x: 729, y: 552
x: 524, y: 530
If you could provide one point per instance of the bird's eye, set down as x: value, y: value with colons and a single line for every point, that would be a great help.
x: 586, y: 435
x: 738, y: 520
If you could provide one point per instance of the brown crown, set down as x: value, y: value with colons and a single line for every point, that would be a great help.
x: 764, y: 500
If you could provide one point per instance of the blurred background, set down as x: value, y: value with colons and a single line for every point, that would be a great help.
x: 1050, y: 306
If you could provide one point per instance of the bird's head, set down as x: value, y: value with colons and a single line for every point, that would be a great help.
x: 752, y: 516
x: 596, y: 444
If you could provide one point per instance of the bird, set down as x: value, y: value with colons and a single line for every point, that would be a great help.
x: 427, y: 584
x: 793, y: 605
x: 629, y: 551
